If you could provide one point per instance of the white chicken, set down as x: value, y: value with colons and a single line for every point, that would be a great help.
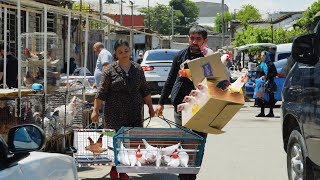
x: 186, y: 109
x: 141, y: 157
x: 236, y: 86
x: 225, y: 58
x: 151, y: 154
x: 203, y: 88
x: 165, y: 159
x: 70, y: 111
x: 174, y: 161
x: 169, y: 150
x: 201, y: 98
x: 190, y: 99
x: 132, y: 158
x: 123, y: 156
x: 183, y: 157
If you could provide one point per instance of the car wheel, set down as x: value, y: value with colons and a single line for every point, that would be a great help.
x: 297, y: 163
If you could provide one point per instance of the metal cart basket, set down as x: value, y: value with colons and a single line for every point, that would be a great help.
x: 192, y: 143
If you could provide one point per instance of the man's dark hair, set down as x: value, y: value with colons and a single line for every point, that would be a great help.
x: 197, y: 29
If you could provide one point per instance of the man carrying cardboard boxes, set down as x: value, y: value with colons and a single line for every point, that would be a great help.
x: 212, y: 104
x: 178, y: 85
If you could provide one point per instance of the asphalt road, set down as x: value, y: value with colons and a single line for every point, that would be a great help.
x: 251, y: 149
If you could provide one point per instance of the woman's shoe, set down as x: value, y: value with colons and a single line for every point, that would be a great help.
x: 270, y: 115
x: 260, y: 115
x: 114, y: 173
x: 124, y: 176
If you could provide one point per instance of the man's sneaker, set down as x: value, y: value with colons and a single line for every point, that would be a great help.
x: 260, y: 115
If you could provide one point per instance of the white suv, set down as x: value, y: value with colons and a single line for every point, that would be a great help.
x: 156, y: 65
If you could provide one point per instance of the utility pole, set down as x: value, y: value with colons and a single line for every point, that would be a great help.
x: 148, y: 15
x: 121, y: 12
x: 100, y: 5
x: 172, y: 20
x: 223, y: 25
x: 132, y: 21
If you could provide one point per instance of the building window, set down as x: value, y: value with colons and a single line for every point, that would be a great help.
x: 12, y: 33
x: 51, y: 23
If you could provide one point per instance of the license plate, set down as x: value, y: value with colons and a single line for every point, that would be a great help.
x: 161, y: 83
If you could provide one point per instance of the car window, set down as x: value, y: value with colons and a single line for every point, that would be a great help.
x: 157, y: 56
x: 283, y: 55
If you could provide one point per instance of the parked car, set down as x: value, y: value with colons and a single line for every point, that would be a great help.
x: 156, y: 65
x: 301, y: 110
x: 19, y: 161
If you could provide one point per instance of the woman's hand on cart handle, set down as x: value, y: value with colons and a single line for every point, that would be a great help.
x: 95, y: 116
x: 151, y: 112
x: 159, y: 110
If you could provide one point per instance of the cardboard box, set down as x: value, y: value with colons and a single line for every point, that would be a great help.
x: 221, y: 105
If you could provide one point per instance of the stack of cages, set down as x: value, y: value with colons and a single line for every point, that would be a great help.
x: 158, y: 150
x: 93, y: 147
x: 33, y: 56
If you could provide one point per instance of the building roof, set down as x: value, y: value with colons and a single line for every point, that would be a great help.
x: 285, y: 15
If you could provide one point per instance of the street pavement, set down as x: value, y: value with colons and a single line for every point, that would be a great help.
x: 251, y: 149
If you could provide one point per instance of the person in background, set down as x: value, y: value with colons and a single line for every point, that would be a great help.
x: 267, y: 71
x: 124, y: 90
x: 104, y: 58
x: 178, y: 86
x: 72, y: 67
x: 140, y: 58
x: 12, y: 68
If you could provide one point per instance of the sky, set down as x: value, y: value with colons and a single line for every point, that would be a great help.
x: 264, y: 6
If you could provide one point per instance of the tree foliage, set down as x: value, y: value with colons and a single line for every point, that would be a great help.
x: 308, y: 21
x: 248, y: 12
x: 189, y: 12
x: 266, y: 35
x: 160, y: 18
x: 218, y: 21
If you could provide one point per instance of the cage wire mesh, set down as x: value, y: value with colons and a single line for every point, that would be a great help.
x: 63, y: 114
x: 33, y: 59
x: 93, y: 146
x: 8, y: 115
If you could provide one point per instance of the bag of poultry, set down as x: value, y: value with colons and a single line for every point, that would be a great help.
x: 215, y: 100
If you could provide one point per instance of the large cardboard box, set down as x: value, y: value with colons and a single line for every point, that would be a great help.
x: 221, y: 105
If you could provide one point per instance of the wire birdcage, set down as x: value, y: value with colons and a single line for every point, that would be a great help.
x: 93, y: 146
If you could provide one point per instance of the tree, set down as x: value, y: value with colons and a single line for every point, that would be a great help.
x: 189, y: 12
x: 308, y: 22
x: 265, y: 35
x: 248, y: 12
x: 218, y: 21
x: 160, y: 18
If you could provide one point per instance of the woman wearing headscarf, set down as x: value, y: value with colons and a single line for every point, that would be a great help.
x: 267, y: 72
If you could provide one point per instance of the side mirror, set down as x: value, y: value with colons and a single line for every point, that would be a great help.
x: 25, y: 138
x: 304, y: 49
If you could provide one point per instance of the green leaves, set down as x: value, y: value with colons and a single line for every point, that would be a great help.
x: 266, y: 35
x: 160, y: 18
x: 248, y: 12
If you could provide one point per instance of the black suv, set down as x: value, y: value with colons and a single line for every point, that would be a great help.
x: 301, y: 109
